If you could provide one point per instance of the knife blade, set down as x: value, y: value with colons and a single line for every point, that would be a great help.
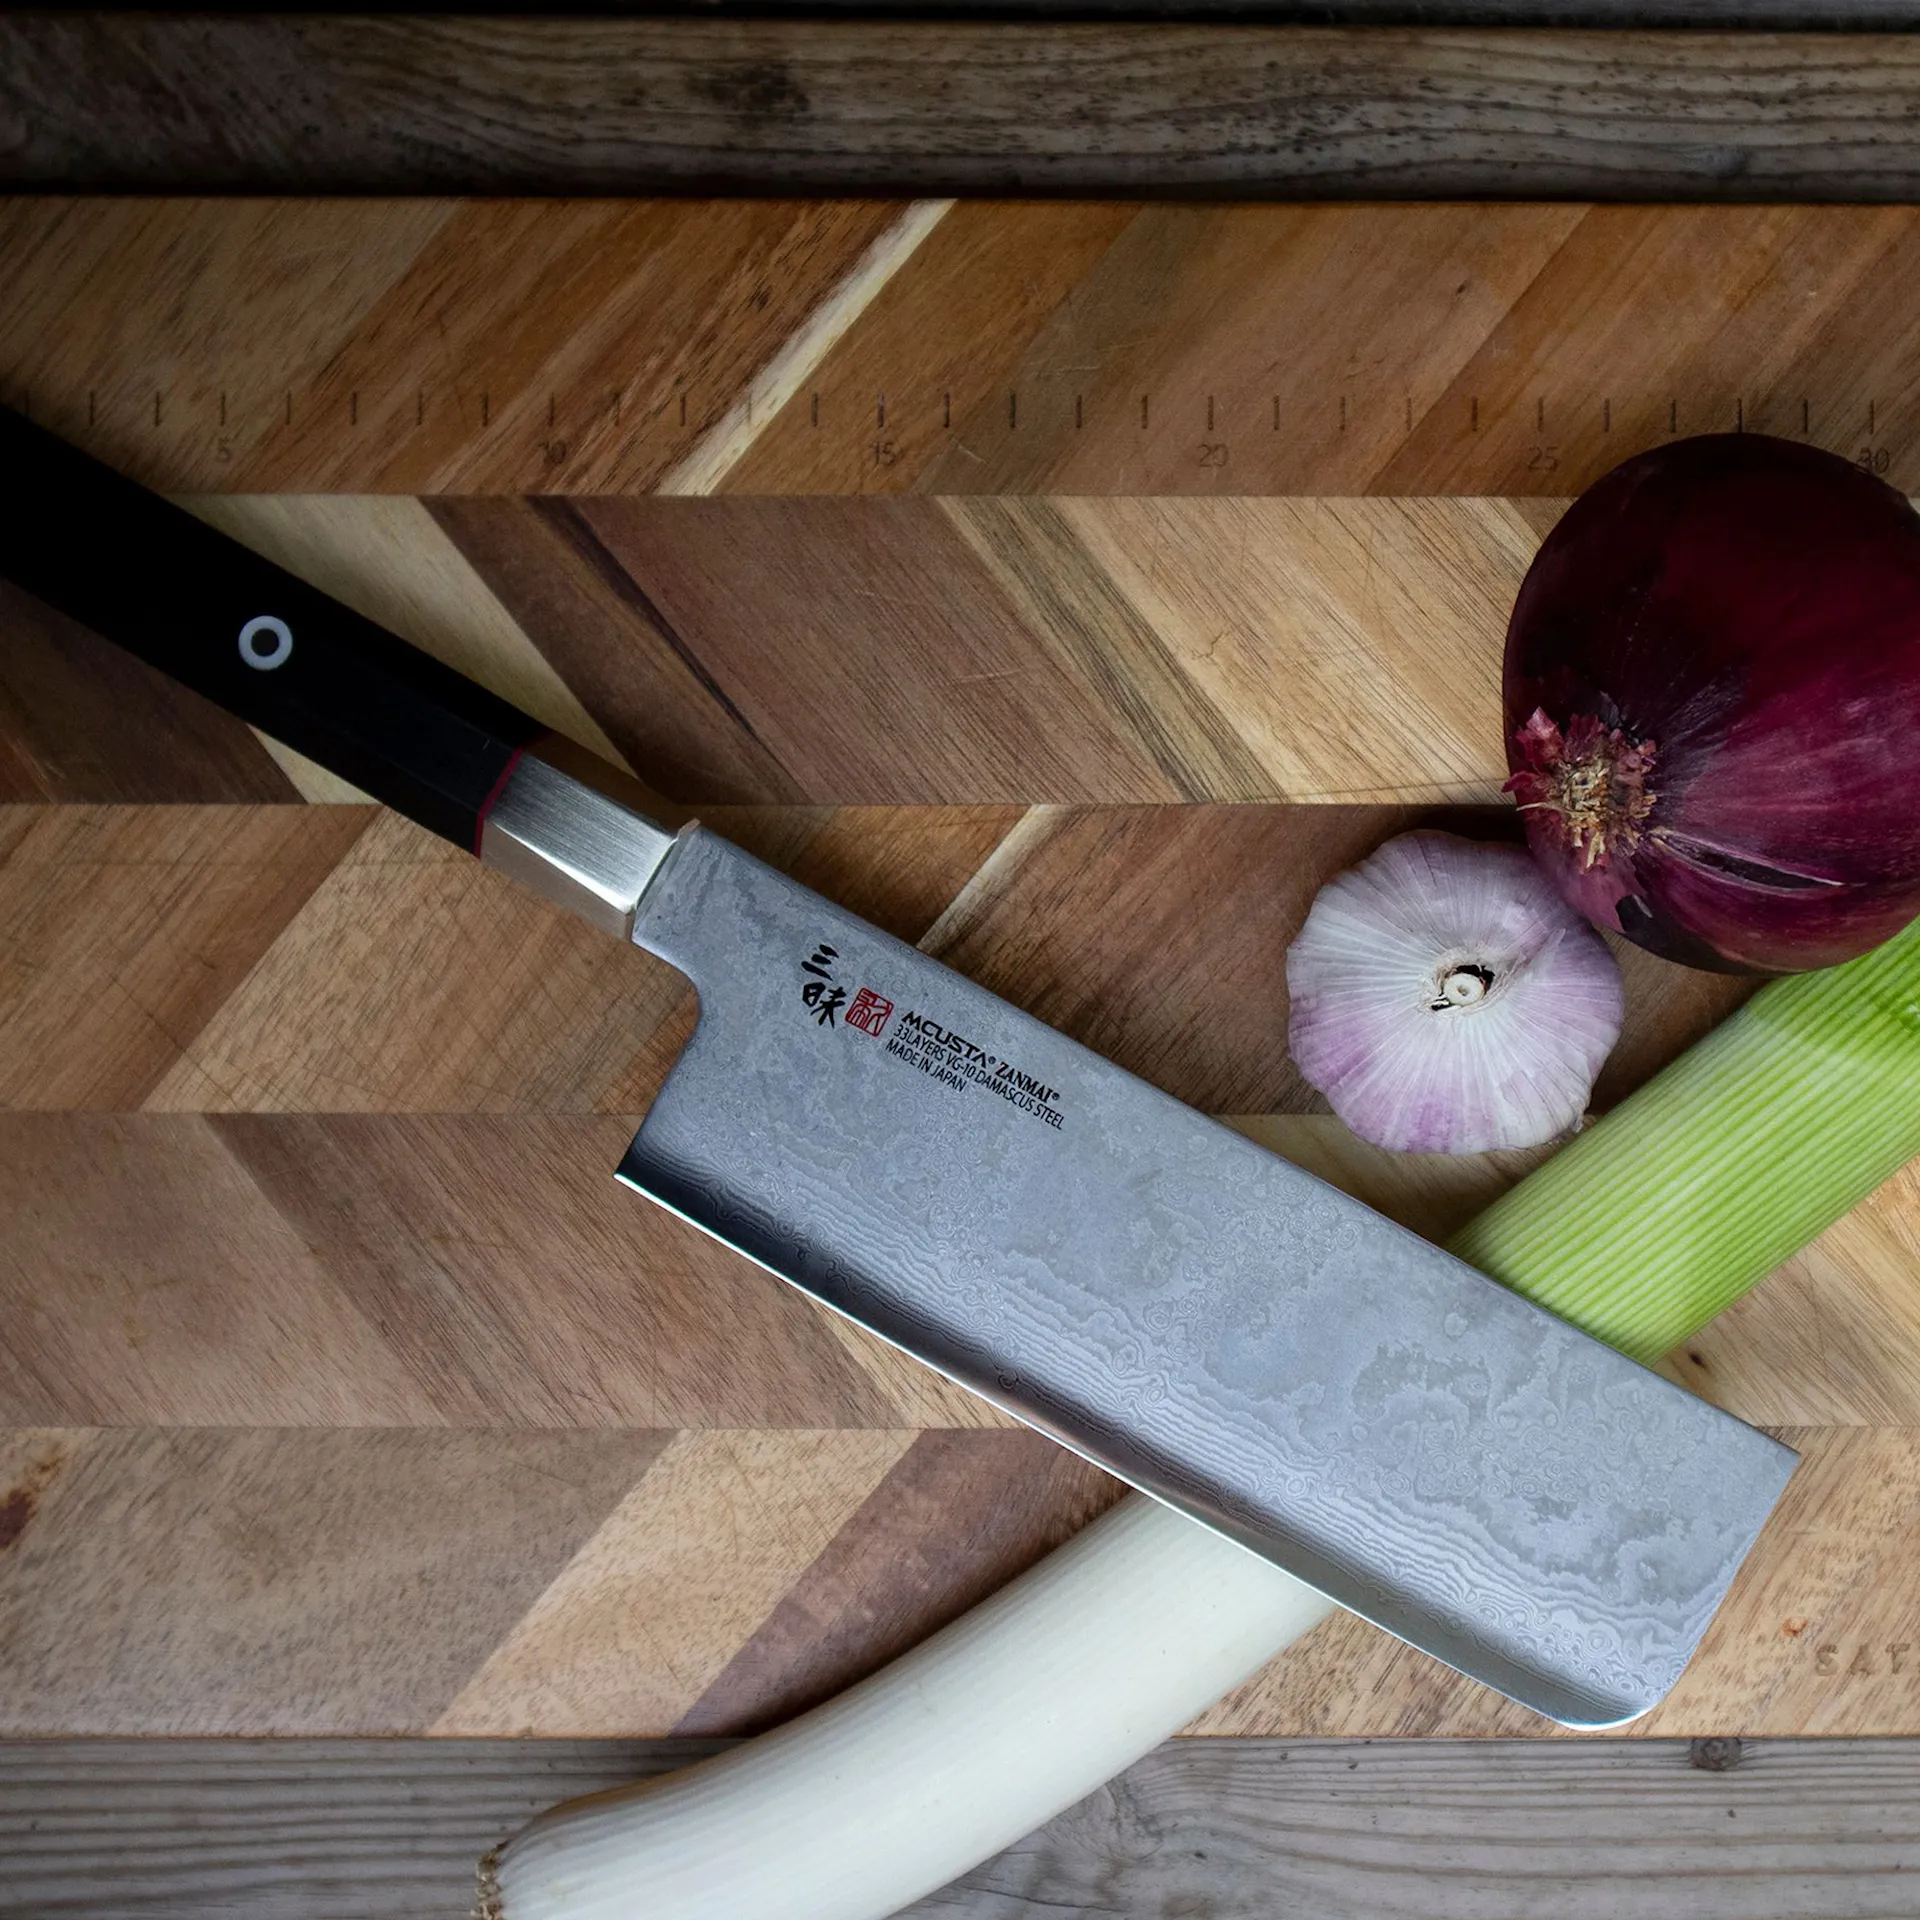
x: 1215, y: 1326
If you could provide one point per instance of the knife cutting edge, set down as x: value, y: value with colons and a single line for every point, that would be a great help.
x: 1203, y: 1319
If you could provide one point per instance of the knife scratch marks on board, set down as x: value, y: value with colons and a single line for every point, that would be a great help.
x: 727, y: 443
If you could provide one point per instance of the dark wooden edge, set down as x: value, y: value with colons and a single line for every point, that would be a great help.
x: 1787, y: 16
x: 647, y: 104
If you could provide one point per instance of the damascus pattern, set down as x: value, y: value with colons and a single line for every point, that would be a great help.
x: 1212, y: 1324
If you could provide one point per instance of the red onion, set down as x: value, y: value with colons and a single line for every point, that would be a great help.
x: 1713, y: 705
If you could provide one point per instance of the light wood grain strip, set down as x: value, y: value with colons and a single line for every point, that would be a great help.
x: 774, y: 386
x: 185, y: 1582
x: 1077, y: 348
x: 313, y: 1581
x: 649, y: 1612
x: 534, y: 106
x: 1351, y: 666
x: 547, y: 1013
x: 1229, y: 1829
x: 126, y: 931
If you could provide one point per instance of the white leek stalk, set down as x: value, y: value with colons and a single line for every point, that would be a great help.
x: 1662, y: 1214
x: 997, y: 1723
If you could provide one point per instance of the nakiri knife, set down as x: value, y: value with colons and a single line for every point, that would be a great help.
x: 1203, y: 1319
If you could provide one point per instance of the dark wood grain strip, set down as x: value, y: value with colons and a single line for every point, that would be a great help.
x: 395, y: 105
x: 871, y: 650
x: 82, y: 720
x: 1227, y: 1829
x: 958, y: 1518
x: 604, y: 634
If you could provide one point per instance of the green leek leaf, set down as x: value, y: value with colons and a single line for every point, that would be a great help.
x: 1746, y: 1148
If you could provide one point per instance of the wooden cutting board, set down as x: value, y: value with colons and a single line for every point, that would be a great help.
x: 344, y: 1391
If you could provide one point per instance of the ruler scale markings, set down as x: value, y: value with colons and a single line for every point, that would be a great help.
x: 1495, y: 423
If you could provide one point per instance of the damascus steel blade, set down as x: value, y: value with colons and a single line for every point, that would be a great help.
x: 1211, y: 1323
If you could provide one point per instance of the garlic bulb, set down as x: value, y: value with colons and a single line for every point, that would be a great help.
x: 1447, y: 1000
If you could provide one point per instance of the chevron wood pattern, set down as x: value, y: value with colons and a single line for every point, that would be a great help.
x: 978, y: 348
x: 343, y: 1392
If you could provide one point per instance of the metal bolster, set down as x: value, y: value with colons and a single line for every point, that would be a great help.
x: 572, y: 845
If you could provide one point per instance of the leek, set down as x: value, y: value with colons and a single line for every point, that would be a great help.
x: 1753, y: 1142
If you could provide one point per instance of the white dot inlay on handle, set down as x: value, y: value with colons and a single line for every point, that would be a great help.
x: 278, y: 637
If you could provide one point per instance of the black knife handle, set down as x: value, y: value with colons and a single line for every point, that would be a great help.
x: 267, y: 647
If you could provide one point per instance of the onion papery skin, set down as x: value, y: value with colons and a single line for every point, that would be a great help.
x: 1723, y: 637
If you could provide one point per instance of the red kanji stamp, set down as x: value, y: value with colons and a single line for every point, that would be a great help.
x: 869, y: 1012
